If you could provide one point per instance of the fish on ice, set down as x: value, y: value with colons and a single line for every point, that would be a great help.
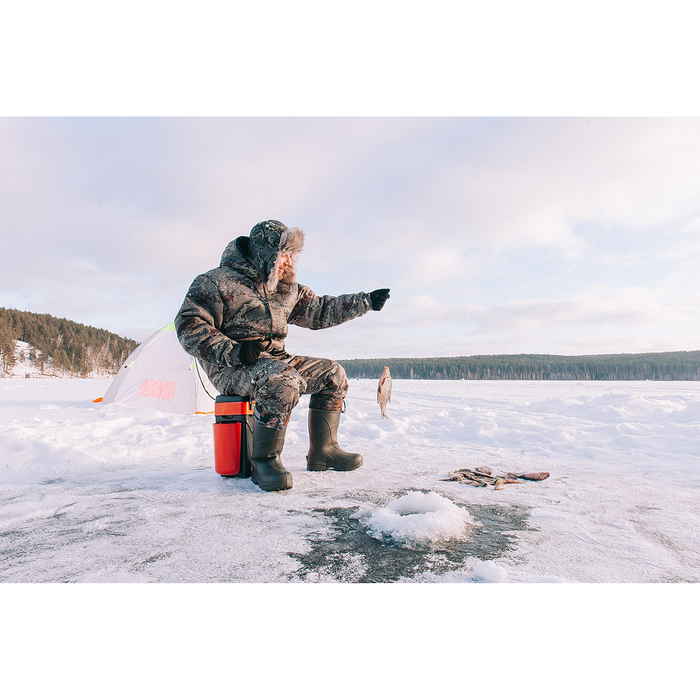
x: 483, y: 476
x: 384, y: 391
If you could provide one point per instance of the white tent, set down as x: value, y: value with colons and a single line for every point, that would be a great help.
x: 160, y: 374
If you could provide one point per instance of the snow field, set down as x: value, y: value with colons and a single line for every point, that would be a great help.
x: 112, y: 493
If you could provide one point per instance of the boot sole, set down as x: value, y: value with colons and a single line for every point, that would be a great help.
x: 277, y: 487
x: 323, y: 467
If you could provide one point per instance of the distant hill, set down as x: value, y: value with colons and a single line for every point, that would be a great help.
x: 653, y: 366
x: 58, y: 347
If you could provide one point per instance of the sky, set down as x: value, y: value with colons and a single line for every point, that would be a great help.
x: 518, y: 191
x: 495, y: 235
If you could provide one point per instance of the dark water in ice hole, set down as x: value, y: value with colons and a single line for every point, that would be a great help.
x: 353, y: 556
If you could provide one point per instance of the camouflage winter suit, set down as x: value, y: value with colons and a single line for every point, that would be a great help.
x: 242, y: 300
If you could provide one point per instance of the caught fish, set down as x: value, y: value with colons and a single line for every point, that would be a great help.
x: 483, y: 476
x: 529, y: 476
x: 384, y: 391
x: 467, y: 475
x: 534, y: 476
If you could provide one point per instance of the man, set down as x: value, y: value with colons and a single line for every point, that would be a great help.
x: 234, y: 320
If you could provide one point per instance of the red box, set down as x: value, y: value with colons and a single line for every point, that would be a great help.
x: 233, y: 435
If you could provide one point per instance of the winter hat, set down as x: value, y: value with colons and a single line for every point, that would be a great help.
x: 269, y: 240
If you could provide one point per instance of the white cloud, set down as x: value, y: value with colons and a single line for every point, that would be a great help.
x: 530, y: 182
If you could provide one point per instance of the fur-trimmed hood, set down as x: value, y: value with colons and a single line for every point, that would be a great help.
x: 262, y: 251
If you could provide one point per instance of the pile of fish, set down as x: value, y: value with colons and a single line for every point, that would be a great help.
x: 483, y: 476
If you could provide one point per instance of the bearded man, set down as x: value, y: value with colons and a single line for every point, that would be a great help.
x: 234, y: 320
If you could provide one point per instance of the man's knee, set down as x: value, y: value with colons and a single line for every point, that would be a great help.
x: 340, y: 379
x: 281, y: 386
x: 334, y: 390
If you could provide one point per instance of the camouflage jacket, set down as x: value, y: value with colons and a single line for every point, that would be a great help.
x: 229, y: 304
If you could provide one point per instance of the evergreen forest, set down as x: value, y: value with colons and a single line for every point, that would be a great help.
x: 653, y: 366
x: 60, y: 345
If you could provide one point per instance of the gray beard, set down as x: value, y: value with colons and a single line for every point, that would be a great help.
x: 287, y: 280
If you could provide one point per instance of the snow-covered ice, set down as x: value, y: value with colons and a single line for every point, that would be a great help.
x: 116, y: 494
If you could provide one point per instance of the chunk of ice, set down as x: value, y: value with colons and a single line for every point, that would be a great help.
x: 490, y: 571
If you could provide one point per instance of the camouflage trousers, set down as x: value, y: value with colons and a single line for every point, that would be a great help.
x: 276, y: 385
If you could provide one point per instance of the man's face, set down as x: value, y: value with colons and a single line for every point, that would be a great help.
x: 285, y: 262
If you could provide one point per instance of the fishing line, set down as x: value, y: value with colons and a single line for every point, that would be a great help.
x: 199, y: 376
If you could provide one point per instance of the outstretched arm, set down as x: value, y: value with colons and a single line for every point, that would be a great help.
x: 315, y: 312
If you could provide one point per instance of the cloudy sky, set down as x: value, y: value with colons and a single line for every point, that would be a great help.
x: 495, y: 235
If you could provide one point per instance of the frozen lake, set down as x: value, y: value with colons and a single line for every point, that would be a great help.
x: 92, y: 493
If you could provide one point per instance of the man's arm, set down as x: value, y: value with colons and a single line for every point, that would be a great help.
x: 316, y: 312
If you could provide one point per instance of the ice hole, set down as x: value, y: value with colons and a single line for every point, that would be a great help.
x: 419, y: 517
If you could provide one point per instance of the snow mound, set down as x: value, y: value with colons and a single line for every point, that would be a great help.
x: 420, y: 517
x: 490, y: 571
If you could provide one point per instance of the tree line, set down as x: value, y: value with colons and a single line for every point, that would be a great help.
x: 632, y: 367
x: 60, y: 345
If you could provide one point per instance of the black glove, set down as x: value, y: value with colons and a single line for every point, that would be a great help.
x: 379, y: 297
x: 249, y: 352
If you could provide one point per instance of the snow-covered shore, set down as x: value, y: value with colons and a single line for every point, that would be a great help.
x: 24, y: 367
x: 97, y: 493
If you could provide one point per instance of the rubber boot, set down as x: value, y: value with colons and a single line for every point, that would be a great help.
x: 268, y: 471
x: 324, y: 452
